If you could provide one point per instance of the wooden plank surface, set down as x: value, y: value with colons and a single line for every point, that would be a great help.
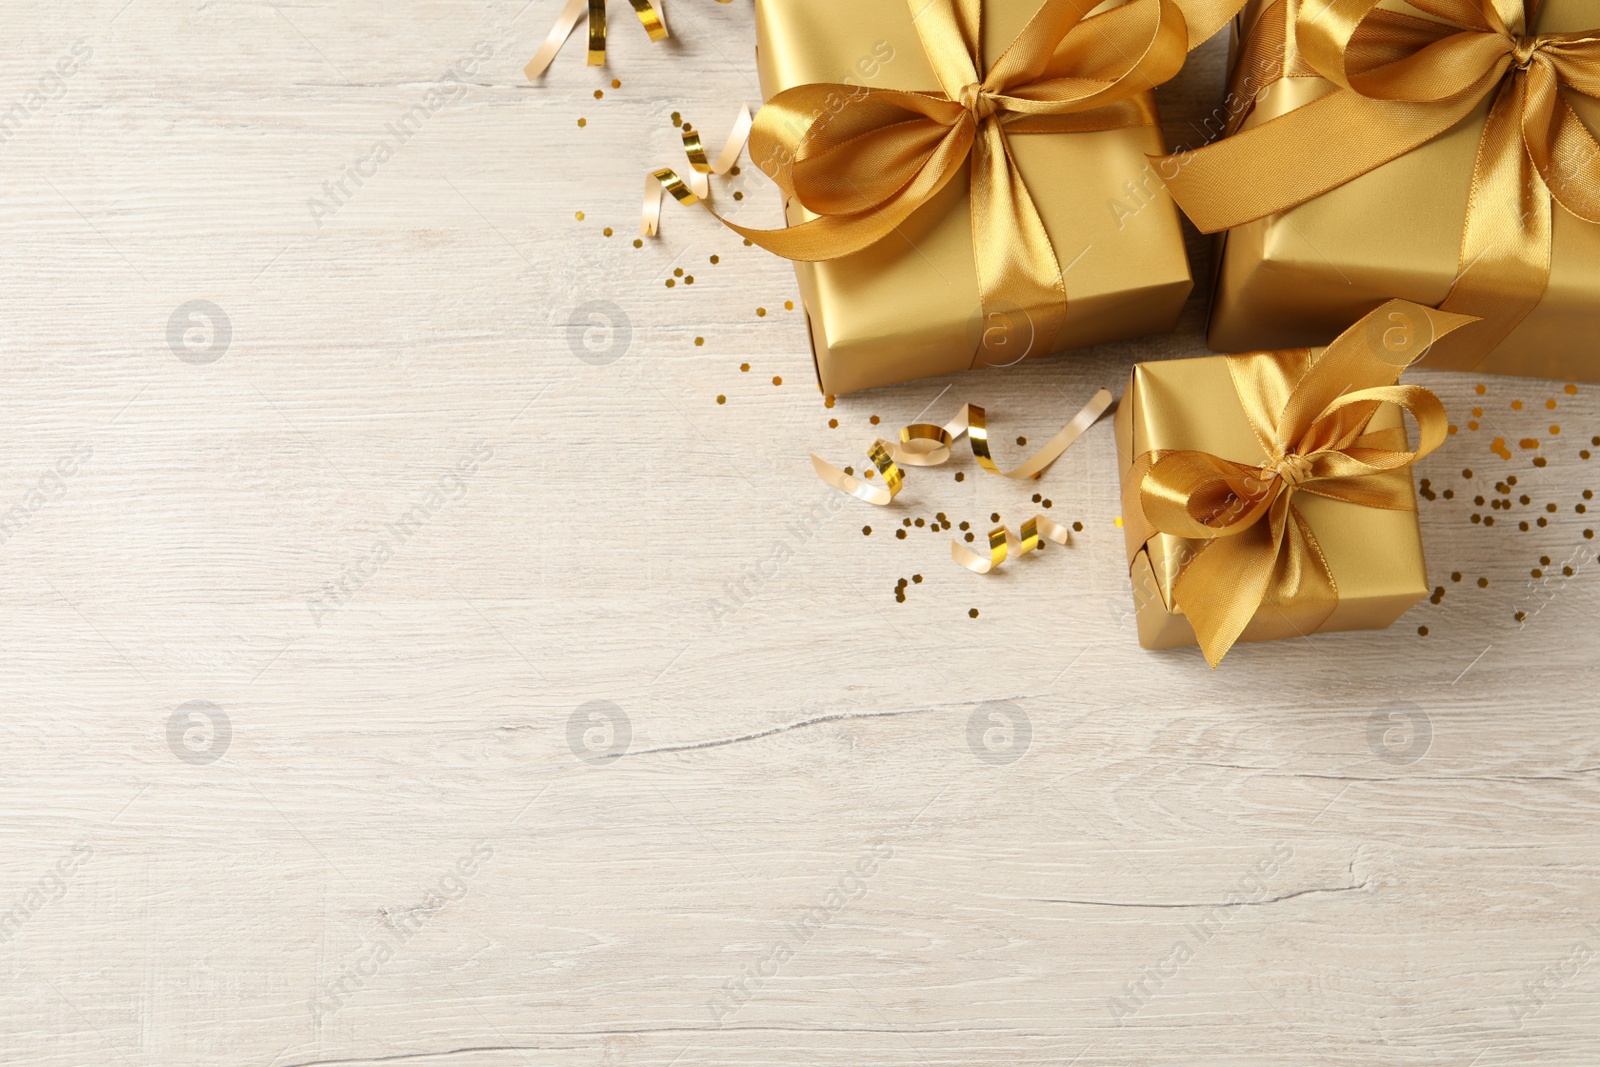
x: 392, y: 677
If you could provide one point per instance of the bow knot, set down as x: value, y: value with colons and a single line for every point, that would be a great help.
x: 1523, y: 49
x: 1291, y: 469
x: 978, y: 101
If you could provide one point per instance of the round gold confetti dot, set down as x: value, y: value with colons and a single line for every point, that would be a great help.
x: 1037, y: 498
x: 969, y: 537
x: 994, y: 517
x: 1519, y: 616
x: 960, y: 476
x: 1478, y: 500
x: 1078, y: 526
x: 677, y: 120
x: 827, y: 401
x: 615, y: 84
x: 1455, y: 576
x: 905, y: 522
x: 1551, y: 404
x: 917, y: 578
x: 1523, y: 526
x: 1511, y: 480
x: 1022, y: 440
x: 1555, y: 431
x: 578, y: 216
x: 671, y: 282
x: 900, y: 534
x: 1536, y: 573
x: 699, y: 341
x: 715, y: 260
x: 1516, y: 405
x: 1472, y: 425
x: 1483, y: 583
x: 867, y: 474
x: 849, y: 470
x: 688, y: 279
x: 607, y: 231
x: 1545, y: 560
x: 966, y: 525
x: 874, y: 420
x: 677, y: 272
x: 1488, y: 520
x: 582, y: 123
x: 761, y: 313
x: 788, y: 305
x: 1422, y: 631
x: 1550, y: 507
x: 1539, y: 461
x: 1477, y: 518
x: 833, y: 424
x: 1588, y: 494
x: 737, y: 195
x: 745, y: 367
x: 1466, y: 474
x: 1482, y: 390
x: 721, y: 399
x: 748, y: 243
x: 1047, y: 502
x: 1567, y: 571
x: 866, y: 531
x: 973, y: 614
x: 1571, y: 390
x: 1543, y: 521
x: 637, y: 243
x: 1588, y: 535
x: 599, y: 93
x: 777, y: 380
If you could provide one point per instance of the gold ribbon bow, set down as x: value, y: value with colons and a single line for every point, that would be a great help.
x: 651, y: 18
x: 1310, y: 416
x: 1402, y: 81
x: 863, y: 159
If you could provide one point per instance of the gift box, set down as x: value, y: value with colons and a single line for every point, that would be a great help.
x: 909, y: 306
x: 1402, y: 229
x: 1269, y: 495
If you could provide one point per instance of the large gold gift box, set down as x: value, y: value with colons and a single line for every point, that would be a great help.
x: 1375, y: 555
x: 908, y: 307
x: 1299, y: 277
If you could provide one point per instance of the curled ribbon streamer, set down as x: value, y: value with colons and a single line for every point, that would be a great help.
x: 651, y: 16
x: 1311, y: 422
x: 928, y: 445
x: 696, y: 186
x: 862, y: 169
x: 1401, y: 82
x: 1004, y: 544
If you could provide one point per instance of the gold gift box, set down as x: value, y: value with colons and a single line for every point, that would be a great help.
x: 908, y: 307
x: 1375, y: 555
x: 1300, y: 277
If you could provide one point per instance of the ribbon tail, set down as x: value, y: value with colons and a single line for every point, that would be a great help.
x: 1020, y: 285
x: 566, y: 22
x: 1505, y: 246
x: 1221, y: 588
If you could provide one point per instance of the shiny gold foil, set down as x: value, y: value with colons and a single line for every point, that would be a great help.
x: 909, y: 307
x: 1299, y: 277
x: 1373, y: 554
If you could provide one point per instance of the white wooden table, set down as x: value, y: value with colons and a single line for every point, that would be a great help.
x: 367, y: 697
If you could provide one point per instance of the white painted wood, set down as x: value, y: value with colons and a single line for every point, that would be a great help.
x: 1249, y: 867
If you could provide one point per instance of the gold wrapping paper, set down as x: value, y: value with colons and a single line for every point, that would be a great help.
x: 1374, y: 555
x: 1299, y: 277
x: 908, y: 307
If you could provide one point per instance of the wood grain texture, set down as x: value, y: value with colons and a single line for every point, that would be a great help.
x: 844, y: 830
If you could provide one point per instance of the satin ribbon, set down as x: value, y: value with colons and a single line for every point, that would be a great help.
x: 864, y: 159
x: 1310, y: 416
x: 696, y: 185
x: 928, y: 445
x: 1003, y: 544
x: 651, y: 16
x: 1403, y: 81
